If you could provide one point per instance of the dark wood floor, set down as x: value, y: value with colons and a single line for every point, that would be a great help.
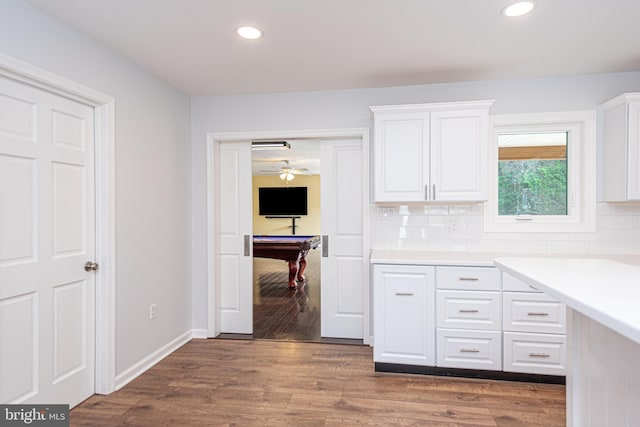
x: 280, y: 313
x: 274, y: 383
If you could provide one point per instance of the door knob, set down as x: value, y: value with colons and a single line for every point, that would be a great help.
x: 90, y: 266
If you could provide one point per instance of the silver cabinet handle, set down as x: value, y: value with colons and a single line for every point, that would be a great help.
x: 426, y: 192
x: 325, y: 246
x: 469, y: 350
x: 544, y: 355
x: 468, y: 279
x: 434, y: 192
x: 533, y: 313
x: 247, y: 245
x: 468, y: 311
x: 404, y: 294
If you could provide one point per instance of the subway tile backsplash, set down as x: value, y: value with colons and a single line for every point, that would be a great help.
x: 460, y: 228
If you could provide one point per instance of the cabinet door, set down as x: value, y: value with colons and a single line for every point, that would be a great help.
x: 401, y: 156
x: 404, y: 315
x: 459, y: 143
x: 633, y: 186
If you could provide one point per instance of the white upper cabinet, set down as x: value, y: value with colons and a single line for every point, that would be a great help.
x: 621, y: 154
x: 401, y: 151
x: 431, y: 152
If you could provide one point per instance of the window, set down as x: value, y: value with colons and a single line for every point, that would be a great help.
x: 542, y: 173
x: 532, y: 173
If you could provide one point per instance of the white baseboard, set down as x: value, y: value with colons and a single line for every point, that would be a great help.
x: 149, y: 361
x: 200, y: 334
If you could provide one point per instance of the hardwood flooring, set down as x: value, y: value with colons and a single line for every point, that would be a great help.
x: 280, y: 313
x: 276, y: 383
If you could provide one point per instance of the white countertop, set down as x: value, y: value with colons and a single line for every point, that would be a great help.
x: 606, y: 291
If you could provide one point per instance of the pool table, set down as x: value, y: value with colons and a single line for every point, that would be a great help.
x: 293, y: 249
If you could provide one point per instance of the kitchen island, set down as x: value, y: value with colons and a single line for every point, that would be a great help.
x: 603, y: 300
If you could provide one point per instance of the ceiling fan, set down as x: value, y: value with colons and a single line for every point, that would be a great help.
x: 287, y: 172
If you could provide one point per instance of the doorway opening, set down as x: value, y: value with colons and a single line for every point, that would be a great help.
x: 286, y: 218
x: 345, y: 301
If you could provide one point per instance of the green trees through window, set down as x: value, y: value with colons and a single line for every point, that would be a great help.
x: 532, y: 173
x: 532, y: 187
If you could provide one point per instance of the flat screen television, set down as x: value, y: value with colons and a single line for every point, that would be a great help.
x: 281, y: 201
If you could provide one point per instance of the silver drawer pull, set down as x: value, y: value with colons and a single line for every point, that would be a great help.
x: 545, y: 355
x: 468, y: 311
x: 533, y: 313
x: 404, y: 294
x: 469, y: 350
x: 468, y: 279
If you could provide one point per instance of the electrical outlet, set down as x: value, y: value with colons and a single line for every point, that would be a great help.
x: 385, y: 213
x: 456, y: 226
x: 153, y: 311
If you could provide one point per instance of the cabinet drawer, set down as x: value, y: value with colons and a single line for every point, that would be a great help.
x: 468, y: 278
x: 510, y: 283
x: 469, y: 310
x: 535, y: 353
x: 469, y: 349
x: 525, y: 312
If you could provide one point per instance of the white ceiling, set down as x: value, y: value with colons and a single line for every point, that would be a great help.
x: 340, y: 44
x: 337, y: 44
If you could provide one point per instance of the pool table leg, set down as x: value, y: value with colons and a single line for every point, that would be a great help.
x: 293, y: 271
x: 302, y: 265
x: 296, y: 268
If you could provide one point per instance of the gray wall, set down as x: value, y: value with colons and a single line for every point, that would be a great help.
x: 153, y: 193
x: 349, y: 108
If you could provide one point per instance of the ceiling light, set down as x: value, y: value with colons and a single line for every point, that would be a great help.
x: 518, y: 9
x: 250, y: 33
x: 287, y: 175
x: 270, y: 145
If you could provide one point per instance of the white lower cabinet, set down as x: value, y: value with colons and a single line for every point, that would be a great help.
x: 404, y: 314
x: 534, y: 330
x: 465, y: 318
x: 469, y: 318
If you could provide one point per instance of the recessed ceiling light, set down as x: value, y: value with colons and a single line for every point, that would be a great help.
x: 518, y: 9
x: 250, y: 33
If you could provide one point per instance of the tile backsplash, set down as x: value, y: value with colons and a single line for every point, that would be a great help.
x: 460, y: 228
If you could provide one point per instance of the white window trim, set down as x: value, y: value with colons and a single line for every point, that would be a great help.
x: 581, y: 179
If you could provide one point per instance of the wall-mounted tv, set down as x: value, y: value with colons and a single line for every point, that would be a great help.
x: 280, y: 201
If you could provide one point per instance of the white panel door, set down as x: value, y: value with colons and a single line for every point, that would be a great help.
x: 236, y: 264
x: 47, y: 233
x: 342, y: 199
